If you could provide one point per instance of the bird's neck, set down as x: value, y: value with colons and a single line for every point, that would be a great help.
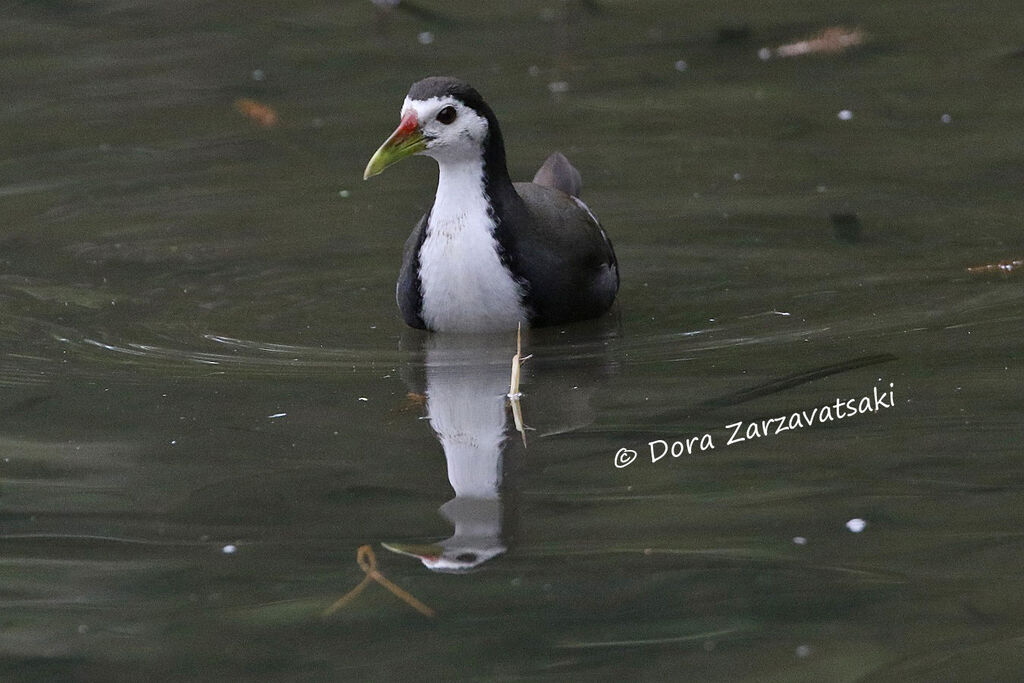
x: 461, y: 202
x: 467, y: 179
x: 497, y: 183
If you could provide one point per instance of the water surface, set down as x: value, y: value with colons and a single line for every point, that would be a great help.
x: 209, y: 402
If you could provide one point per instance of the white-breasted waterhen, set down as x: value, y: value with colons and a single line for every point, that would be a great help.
x: 490, y: 253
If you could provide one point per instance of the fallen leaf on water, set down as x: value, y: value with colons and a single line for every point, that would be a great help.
x: 258, y: 113
x: 831, y: 40
x: 414, y: 400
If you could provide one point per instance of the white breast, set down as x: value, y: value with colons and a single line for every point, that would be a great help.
x: 465, y: 286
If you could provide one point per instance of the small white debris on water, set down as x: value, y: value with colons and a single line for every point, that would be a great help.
x: 856, y: 525
x: 845, y: 115
x: 344, y: 194
x: 363, y: 398
x: 737, y: 176
x: 946, y: 118
x: 425, y: 38
x: 258, y: 75
x: 558, y: 87
x: 764, y: 54
x: 275, y: 416
x: 681, y: 65
x: 803, y: 651
x: 799, y: 540
x: 229, y: 549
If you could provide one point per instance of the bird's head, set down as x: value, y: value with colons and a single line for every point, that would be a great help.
x: 443, y: 118
x: 450, y: 557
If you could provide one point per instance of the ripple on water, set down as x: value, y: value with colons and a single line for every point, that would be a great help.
x: 251, y: 356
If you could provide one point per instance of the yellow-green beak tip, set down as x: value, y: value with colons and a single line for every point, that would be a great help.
x: 419, y: 551
x: 405, y: 141
x: 374, y: 167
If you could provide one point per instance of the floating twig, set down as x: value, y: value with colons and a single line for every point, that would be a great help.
x: 513, y: 386
x: 831, y: 40
x: 517, y: 417
x: 368, y: 563
x: 1005, y: 267
x: 517, y: 363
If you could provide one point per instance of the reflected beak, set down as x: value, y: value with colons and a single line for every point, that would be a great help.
x: 423, y: 552
x: 405, y: 141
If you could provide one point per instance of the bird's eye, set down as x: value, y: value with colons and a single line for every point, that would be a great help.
x: 446, y: 115
x: 466, y: 557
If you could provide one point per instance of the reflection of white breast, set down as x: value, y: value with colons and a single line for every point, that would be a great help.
x: 467, y: 379
x: 465, y: 286
x: 467, y: 412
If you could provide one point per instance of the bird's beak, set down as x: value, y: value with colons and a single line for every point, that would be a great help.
x: 422, y: 552
x: 405, y: 141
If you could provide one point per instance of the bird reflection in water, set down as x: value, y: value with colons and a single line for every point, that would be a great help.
x: 467, y: 394
x: 467, y: 380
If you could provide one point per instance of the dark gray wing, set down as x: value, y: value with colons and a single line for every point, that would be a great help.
x: 408, y: 292
x: 564, y: 257
x: 558, y: 173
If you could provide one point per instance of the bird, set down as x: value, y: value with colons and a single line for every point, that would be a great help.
x: 491, y: 254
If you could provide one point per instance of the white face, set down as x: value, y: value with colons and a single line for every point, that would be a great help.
x: 453, y: 131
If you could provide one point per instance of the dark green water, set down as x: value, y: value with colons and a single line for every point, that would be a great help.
x: 200, y: 348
